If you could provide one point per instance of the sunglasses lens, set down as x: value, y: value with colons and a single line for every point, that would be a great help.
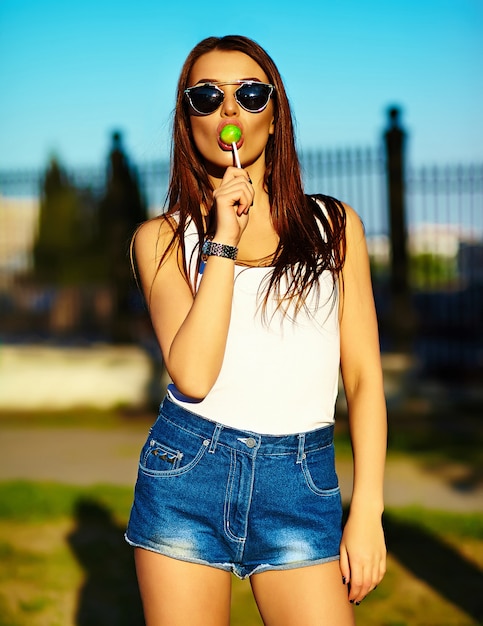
x: 253, y: 97
x: 205, y: 99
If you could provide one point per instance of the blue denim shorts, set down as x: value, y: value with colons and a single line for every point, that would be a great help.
x: 233, y: 499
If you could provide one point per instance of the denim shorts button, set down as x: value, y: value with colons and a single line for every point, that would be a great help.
x: 251, y: 443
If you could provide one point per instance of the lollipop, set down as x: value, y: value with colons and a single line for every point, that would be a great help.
x: 231, y: 134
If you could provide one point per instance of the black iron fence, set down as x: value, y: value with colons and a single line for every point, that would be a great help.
x: 424, y: 229
x: 445, y: 247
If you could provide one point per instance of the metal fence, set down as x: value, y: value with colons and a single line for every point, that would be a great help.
x: 356, y: 176
x: 443, y: 212
x: 445, y: 241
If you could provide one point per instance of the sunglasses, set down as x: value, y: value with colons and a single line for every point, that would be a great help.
x: 250, y: 95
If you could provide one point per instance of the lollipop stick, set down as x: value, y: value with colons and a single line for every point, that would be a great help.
x: 235, y: 155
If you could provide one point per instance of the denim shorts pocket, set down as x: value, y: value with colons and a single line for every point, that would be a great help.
x: 171, y: 451
x: 318, y: 467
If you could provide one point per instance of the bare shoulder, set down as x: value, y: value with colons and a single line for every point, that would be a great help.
x: 153, y: 252
x: 354, y: 224
x: 153, y: 237
x: 356, y: 270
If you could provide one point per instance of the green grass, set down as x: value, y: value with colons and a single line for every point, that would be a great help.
x: 461, y: 526
x: 39, y: 502
x: 63, y: 561
x: 63, y: 558
x: 34, y: 502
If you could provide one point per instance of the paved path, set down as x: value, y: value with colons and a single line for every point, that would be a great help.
x: 86, y: 456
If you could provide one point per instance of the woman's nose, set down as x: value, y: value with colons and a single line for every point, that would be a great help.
x: 230, y: 106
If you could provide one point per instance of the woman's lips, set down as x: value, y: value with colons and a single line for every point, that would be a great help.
x: 228, y: 146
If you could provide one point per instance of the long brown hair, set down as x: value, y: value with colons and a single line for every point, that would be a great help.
x: 311, y: 240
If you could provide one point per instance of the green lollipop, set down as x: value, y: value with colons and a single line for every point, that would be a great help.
x: 230, y: 134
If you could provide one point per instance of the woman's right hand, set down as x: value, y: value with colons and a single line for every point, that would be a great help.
x: 232, y: 202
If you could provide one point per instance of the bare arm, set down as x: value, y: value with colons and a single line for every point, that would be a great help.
x: 192, y: 331
x: 363, y: 550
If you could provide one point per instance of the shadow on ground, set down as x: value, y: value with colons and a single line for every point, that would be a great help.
x: 428, y: 558
x: 448, y: 439
x: 109, y: 596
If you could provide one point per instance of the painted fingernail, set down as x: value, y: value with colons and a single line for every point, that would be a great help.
x: 344, y: 580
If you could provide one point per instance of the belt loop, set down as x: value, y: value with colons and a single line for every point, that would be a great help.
x: 214, y: 439
x: 301, y: 453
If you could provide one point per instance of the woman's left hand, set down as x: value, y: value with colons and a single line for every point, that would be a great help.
x: 362, y: 554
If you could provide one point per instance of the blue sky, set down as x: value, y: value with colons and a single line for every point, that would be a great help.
x: 71, y: 72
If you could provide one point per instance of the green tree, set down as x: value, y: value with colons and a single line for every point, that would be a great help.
x: 65, y: 249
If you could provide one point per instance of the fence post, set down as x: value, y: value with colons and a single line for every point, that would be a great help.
x: 400, y: 317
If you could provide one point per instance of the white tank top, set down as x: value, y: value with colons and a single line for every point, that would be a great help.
x: 279, y: 375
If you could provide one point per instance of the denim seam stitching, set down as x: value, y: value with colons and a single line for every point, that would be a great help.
x: 229, y: 493
x: 313, y: 487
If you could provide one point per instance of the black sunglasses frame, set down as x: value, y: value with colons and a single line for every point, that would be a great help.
x: 217, y: 86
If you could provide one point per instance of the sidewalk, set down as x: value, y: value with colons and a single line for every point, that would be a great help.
x: 87, y: 456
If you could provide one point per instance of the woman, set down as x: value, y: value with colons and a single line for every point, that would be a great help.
x: 256, y: 293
